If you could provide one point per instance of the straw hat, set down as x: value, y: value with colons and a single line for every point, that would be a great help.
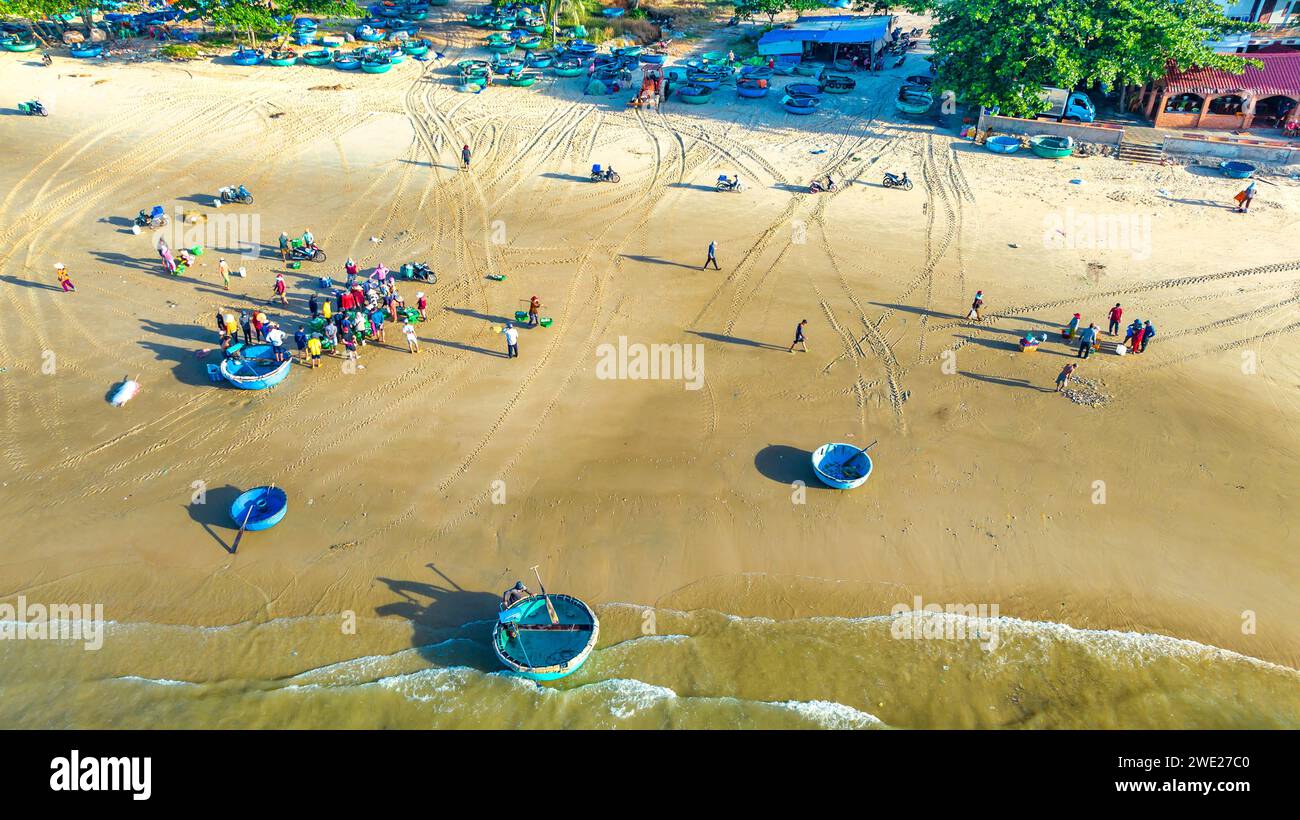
x: 58, y: 266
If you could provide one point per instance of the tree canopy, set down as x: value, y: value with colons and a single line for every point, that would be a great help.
x: 1000, y: 52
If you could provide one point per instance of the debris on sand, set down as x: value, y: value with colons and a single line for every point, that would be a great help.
x: 1087, y: 392
x: 335, y: 87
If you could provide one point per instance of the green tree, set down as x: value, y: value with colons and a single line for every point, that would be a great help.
x: 1001, y: 52
x: 801, y: 7
x: 767, y: 8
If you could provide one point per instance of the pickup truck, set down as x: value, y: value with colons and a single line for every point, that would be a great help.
x: 1073, y: 106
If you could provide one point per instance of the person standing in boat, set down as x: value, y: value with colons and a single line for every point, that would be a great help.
x: 514, y: 595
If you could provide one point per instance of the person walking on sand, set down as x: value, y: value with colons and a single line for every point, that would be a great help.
x: 412, y: 343
x: 1116, y: 313
x: 422, y: 305
x: 284, y: 246
x: 976, y: 305
x: 224, y: 270
x: 65, y: 281
x: 1148, y: 330
x: 169, y: 261
x: 1086, y: 338
x: 313, y: 350
x: 534, y: 305
x: 1063, y: 378
x: 1138, y: 336
x: 1073, y: 327
x: 247, y: 325
x: 512, y: 340
x: 1245, y: 197
x: 280, y: 289
x: 799, y: 337
x: 464, y: 156
x: 713, y: 257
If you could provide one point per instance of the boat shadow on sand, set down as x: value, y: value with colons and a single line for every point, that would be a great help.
x: 450, y: 625
x: 187, y: 366
x: 785, y: 464
x: 214, y: 514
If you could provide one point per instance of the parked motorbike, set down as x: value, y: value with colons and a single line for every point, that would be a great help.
x: 419, y: 270
x: 726, y: 183
x: 33, y: 108
x: 311, y: 252
x: 895, y: 181
x: 46, y: 59
x: 153, y: 218
x: 235, y: 193
x: 818, y: 186
x: 605, y: 175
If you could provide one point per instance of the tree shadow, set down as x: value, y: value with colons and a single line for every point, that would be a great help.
x: 735, y: 340
x: 786, y: 465
x: 214, y: 513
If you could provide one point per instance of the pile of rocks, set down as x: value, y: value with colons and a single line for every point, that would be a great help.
x: 1087, y: 392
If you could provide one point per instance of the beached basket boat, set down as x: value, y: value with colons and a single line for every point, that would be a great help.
x: 369, y: 34
x: 800, y: 105
x: 539, y: 60
x: 1002, y: 144
x: 581, y: 47
x: 653, y: 59
x: 255, y: 367
x: 568, y: 68
x: 261, y: 508
x: 376, y: 62
x: 803, y: 90
x: 417, y: 48
x: 523, y: 79
x: 500, y: 44
x: 628, y: 51
x: 842, y: 466
x: 1051, y: 147
x: 1237, y: 169
x: 914, y: 104
x: 756, y: 72
x: 527, y: 642
x: 319, y: 57
x: 807, y: 69
x: 694, y: 94
x: 85, y: 51
x: 751, y: 88
x: 282, y: 57
x: 838, y: 83
x: 477, y: 20
x: 345, y: 61
x: 19, y: 45
x: 247, y: 56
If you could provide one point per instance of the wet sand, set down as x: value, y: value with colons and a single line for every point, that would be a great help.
x: 639, y: 492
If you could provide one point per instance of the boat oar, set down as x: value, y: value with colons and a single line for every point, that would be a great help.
x: 862, y: 451
x: 244, y: 524
x: 550, y: 610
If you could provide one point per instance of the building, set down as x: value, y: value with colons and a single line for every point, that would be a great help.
x: 1280, y: 18
x: 1266, y: 97
x: 822, y: 36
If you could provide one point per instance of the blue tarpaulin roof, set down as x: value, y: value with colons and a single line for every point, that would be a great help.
x: 839, y: 28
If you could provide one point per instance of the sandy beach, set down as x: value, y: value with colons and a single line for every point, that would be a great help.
x: 422, y: 485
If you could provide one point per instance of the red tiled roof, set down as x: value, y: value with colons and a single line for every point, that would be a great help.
x: 1280, y: 75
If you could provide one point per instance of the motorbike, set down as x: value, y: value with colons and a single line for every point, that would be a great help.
x: 902, y: 58
x: 726, y: 183
x: 311, y: 252
x: 46, y: 59
x: 916, y: 32
x: 818, y: 186
x: 895, y: 181
x: 33, y: 108
x: 154, y: 218
x: 236, y: 193
x: 605, y: 175
x: 420, y: 271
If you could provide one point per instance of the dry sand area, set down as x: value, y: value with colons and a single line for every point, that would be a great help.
x: 638, y: 491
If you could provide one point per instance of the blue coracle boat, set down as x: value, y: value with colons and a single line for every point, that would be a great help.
x: 527, y: 642
x: 268, y: 504
x: 842, y: 466
x: 253, y: 367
